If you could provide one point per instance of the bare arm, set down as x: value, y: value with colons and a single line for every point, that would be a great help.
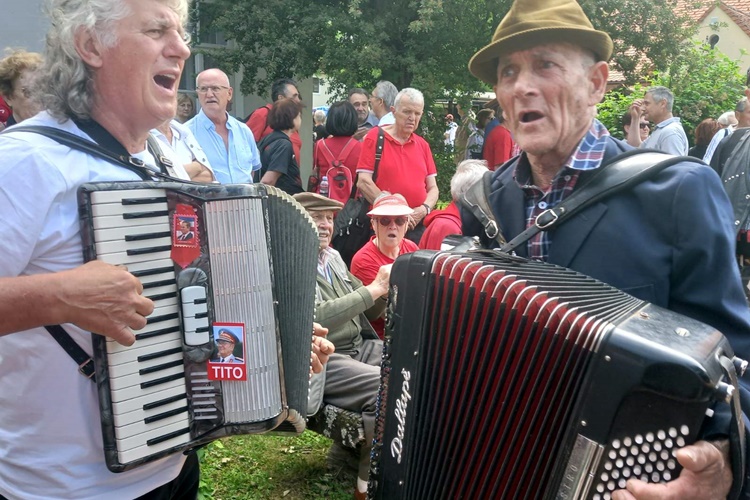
x: 198, y: 172
x: 97, y: 297
x: 367, y: 186
x: 270, y: 177
x: 634, y: 133
x: 420, y: 212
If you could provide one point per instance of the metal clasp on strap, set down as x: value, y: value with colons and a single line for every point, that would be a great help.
x: 550, y: 214
x: 490, y: 228
x: 87, y: 368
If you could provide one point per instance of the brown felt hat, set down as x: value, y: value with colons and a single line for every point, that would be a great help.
x: 530, y: 23
x: 315, y: 201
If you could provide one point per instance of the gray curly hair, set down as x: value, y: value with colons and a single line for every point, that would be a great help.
x: 65, y: 81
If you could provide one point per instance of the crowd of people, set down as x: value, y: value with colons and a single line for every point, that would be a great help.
x: 679, y: 240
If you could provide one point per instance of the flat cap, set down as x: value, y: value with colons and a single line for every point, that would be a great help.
x: 315, y: 201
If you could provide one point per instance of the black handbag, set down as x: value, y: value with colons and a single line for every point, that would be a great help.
x: 351, y: 228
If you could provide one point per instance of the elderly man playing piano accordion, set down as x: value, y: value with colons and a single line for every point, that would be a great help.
x: 111, y: 75
x: 667, y: 240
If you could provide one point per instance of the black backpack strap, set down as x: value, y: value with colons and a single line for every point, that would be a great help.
x: 624, y: 171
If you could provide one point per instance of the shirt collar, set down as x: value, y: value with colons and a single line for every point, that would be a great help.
x: 668, y: 121
x: 588, y: 155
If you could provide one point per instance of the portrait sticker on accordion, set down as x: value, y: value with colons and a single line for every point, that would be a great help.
x: 230, y: 341
x: 216, y: 357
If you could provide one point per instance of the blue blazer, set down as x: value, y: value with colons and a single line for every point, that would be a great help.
x: 669, y: 241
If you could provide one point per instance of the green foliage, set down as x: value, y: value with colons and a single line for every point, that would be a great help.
x: 705, y: 83
x: 422, y: 43
x: 262, y: 467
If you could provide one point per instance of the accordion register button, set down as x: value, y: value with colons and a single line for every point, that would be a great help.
x: 194, y: 316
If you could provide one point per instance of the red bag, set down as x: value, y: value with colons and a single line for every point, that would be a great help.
x: 340, y: 182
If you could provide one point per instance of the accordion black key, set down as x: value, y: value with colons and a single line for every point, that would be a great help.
x: 507, y: 378
x: 231, y: 270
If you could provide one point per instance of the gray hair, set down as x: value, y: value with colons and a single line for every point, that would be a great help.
x: 467, y: 173
x: 741, y: 105
x: 319, y: 116
x: 727, y: 118
x: 386, y: 91
x: 659, y: 93
x: 66, y: 82
x: 412, y: 94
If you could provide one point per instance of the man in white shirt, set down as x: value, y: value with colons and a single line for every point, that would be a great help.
x: 110, y: 76
x: 382, y: 100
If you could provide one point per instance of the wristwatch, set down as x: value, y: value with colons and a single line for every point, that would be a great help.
x: 427, y: 207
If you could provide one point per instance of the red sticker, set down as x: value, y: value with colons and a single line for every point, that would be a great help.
x: 185, y: 235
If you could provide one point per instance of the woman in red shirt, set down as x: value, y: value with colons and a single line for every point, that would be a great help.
x: 341, y: 124
x: 390, y: 216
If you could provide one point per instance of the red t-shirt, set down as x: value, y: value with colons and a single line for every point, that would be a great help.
x: 439, y: 224
x: 4, y: 110
x: 366, y: 263
x: 258, y: 123
x: 336, y: 145
x: 498, y: 147
x: 403, y: 168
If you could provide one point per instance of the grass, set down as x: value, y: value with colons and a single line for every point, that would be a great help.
x: 268, y: 467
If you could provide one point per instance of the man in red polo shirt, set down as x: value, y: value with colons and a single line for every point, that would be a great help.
x: 406, y: 166
x: 285, y: 88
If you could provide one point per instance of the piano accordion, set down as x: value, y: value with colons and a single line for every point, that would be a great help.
x: 512, y: 379
x: 222, y: 263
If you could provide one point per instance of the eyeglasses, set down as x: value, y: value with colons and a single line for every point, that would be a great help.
x: 386, y: 221
x: 213, y: 88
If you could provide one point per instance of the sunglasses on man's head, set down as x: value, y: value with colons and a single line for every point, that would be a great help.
x: 386, y: 221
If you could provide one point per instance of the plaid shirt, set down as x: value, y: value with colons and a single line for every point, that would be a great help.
x: 587, y: 156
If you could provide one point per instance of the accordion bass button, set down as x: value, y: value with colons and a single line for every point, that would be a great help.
x: 724, y: 392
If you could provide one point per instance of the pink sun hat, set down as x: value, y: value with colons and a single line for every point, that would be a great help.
x: 390, y: 204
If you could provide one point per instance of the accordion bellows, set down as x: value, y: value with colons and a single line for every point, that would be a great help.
x: 512, y: 379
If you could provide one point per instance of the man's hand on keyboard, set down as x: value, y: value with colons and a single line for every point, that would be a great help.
x: 104, y: 299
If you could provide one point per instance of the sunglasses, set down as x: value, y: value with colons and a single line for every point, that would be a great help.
x: 644, y: 126
x: 386, y: 221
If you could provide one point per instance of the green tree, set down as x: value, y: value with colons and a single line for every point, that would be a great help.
x: 705, y: 84
x: 422, y: 43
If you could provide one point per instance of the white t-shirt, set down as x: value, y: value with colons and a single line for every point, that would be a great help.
x: 50, y: 431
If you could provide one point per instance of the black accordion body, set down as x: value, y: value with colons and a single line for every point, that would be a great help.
x: 231, y: 270
x: 511, y: 379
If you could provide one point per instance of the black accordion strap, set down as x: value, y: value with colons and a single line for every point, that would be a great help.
x: 477, y: 199
x: 85, y: 363
x: 736, y: 432
x: 73, y: 141
x: 625, y: 170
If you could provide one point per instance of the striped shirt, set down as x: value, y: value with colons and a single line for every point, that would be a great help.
x: 587, y: 156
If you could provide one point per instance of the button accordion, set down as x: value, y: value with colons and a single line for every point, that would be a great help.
x: 506, y: 378
x: 229, y: 268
